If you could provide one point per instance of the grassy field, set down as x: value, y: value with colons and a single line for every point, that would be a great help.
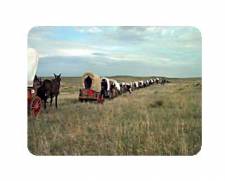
x: 157, y: 120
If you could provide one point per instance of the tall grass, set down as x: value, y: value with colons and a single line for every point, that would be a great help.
x: 157, y: 120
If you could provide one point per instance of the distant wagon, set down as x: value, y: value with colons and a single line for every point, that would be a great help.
x: 91, y: 90
x: 105, y: 87
x: 33, y: 101
x: 114, y: 88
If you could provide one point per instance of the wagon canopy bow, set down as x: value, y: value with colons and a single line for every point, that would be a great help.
x: 95, y: 81
x: 32, y: 65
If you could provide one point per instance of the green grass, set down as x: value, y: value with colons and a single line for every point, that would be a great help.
x: 157, y: 120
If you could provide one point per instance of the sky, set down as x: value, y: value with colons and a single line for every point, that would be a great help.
x: 118, y: 50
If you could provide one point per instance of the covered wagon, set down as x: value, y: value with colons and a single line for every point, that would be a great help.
x: 105, y: 86
x: 91, y: 88
x: 33, y: 101
x: 115, y: 87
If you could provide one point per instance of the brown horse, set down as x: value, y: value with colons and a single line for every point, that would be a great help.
x: 50, y: 89
x: 37, y: 82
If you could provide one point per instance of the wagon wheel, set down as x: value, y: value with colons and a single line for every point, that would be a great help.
x: 35, y: 106
x: 113, y: 93
x: 110, y: 95
x: 100, y: 99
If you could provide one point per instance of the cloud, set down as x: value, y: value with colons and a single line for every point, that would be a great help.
x: 99, y: 54
x: 76, y: 52
x: 88, y: 29
x: 76, y: 66
x: 164, y: 48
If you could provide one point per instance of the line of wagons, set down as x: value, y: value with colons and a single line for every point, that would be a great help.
x: 96, y: 88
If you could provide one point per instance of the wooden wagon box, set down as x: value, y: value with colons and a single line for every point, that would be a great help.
x: 90, y: 95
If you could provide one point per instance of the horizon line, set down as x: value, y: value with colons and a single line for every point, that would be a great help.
x: 171, y: 77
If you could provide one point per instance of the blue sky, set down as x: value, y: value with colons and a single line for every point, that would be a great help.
x: 124, y: 50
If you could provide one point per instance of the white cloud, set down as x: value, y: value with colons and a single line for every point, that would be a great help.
x: 89, y: 29
x: 129, y: 57
x: 76, y: 52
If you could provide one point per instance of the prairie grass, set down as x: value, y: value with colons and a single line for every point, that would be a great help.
x: 157, y: 120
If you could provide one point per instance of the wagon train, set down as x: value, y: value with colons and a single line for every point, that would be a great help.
x: 96, y: 88
x: 33, y: 101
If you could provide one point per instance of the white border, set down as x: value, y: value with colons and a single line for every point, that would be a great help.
x: 17, y: 17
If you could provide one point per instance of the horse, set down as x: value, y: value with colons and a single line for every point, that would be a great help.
x: 163, y: 81
x: 50, y: 89
x: 37, y: 82
x: 113, y: 89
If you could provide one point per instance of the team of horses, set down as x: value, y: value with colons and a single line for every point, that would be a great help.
x: 110, y: 88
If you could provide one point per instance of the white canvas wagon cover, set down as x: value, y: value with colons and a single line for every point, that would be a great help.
x: 32, y: 64
x: 96, y: 81
x: 117, y: 85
